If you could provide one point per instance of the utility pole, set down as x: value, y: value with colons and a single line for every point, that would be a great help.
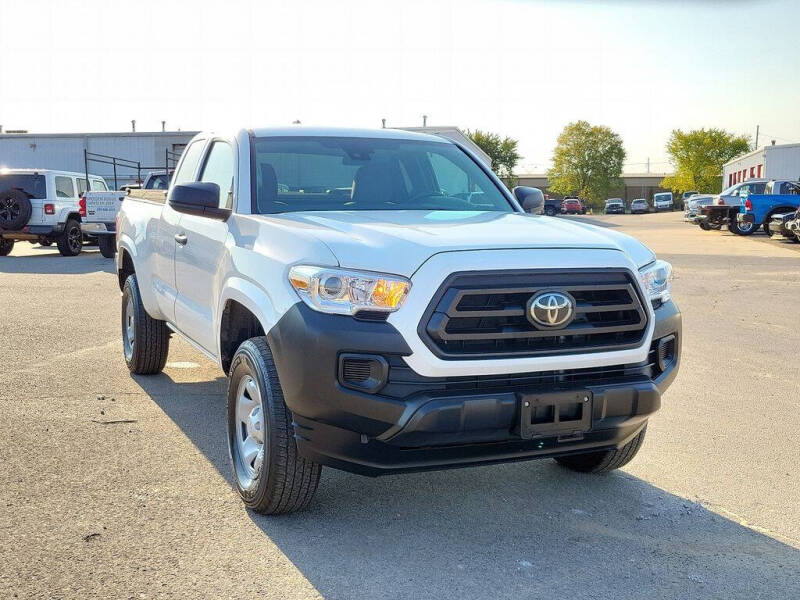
x: 757, y: 128
x: 163, y: 126
x: 648, y: 165
x: 424, y: 120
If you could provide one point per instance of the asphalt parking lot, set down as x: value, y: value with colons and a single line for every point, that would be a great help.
x: 119, y: 486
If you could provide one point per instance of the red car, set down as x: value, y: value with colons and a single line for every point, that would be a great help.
x: 572, y: 206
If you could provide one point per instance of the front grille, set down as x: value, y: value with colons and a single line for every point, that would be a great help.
x: 484, y: 315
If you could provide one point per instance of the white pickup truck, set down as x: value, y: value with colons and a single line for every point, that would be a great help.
x: 381, y: 303
x: 98, y: 209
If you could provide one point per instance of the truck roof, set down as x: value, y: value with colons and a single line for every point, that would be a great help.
x: 307, y: 131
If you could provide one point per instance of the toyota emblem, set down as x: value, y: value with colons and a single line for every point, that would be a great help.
x: 551, y: 310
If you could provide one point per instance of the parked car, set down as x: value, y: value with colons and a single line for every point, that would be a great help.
x: 723, y: 209
x: 552, y: 206
x: 793, y: 225
x: 373, y: 330
x: 155, y: 180
x: 693, y: 206
x: 685, y: 197
x: 41, y: 205
x: 572, y: 206
x: 663, y: 201
x: 615, y: 206
x: 757, y: 209
x: 639, y: 205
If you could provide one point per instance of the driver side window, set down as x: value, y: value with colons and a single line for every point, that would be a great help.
x: 219, y: 169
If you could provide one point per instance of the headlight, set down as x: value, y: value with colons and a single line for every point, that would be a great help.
x: 656, y: 280
x: 346, y: 292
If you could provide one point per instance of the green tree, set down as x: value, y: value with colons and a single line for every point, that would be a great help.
x: 698, y: 156
x: 502, y: 151
x: 587, y: 161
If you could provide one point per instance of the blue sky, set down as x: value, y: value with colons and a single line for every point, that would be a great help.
x: 523, y: 69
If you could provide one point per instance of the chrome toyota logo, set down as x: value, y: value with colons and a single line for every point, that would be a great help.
x: 551, y: 310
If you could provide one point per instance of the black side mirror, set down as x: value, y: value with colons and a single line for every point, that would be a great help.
x: 530, y: 198
x: 199, y: 198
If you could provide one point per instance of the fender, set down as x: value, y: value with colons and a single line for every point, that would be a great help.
x: 253, y: 297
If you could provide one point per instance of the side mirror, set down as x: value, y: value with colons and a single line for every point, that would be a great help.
x: 199, y: 198
x: 530, y: 198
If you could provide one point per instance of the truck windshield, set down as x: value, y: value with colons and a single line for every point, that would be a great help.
x: 346, y: 173
x: 32, y: 185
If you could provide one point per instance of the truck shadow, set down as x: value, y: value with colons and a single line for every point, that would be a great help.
x: 47, y: 261
x: 504, y: 531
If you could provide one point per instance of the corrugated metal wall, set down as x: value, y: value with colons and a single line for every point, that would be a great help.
x: 66, y: 152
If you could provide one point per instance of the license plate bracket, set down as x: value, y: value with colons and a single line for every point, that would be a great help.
x: 555, y: 414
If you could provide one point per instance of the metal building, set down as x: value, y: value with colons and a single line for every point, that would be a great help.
x: 780, y: 161
x: 65, y: 151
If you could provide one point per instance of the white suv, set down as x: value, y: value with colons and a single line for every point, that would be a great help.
x: 43, y: 206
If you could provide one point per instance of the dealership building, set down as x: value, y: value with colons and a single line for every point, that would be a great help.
x: 777, y: 161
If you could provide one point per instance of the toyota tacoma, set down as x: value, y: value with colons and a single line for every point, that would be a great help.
x: 381, y: 303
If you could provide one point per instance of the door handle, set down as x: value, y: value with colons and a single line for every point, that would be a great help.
x: 181, y: 238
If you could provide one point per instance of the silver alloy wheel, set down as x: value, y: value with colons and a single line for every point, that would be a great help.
x: 129, y: 330
x: 75, y: 239
x: 250, y: 432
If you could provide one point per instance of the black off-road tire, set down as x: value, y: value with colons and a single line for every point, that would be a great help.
x: 605, y: 461
x: 284, y: 481
x: 766, y: 228
x: 108, y: 245
x: 70, y: 242
x: 6, y: 246
x: 704, y: 226
x: 15, y: 210
x: 147, y: 355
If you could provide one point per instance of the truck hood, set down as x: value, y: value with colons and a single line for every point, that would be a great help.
x: 401, y: 241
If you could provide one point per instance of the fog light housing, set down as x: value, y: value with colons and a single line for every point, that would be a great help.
x: 666, y: 352
x: 363, y: 372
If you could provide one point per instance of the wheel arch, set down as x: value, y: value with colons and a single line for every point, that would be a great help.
x: 245, y: 311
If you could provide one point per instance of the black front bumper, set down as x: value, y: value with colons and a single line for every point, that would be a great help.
x: 417, y: 423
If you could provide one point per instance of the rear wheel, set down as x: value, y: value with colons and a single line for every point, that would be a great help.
x: 108, y: 245
x: 145, y: 340
x: 70, y: 243
x: 704, y: 226
x: 605, y: 461
x: 550, y: 211
x: 742, y: 228
x: 270, y: 475
x: 6, y: 246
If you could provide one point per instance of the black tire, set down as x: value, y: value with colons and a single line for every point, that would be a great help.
x: 147, y: 353
x: 70, y: 242
x: 108, y: 245
x: 6, y: 246
x: 738, y: 229
x: 704, y: 226
x: 766, y: 228
x: 550, y: 211
x: 15, y: 209
x: 46, y: 243
x: 277, y: 480
x: 605, y: 461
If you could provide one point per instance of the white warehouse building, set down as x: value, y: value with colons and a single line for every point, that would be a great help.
x: 65, y: 151
x: 780, y: 161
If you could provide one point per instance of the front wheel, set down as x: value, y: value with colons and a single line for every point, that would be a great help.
x: 550, y: 211
x: 108, y: 245
x: 604, y: 461
x: 270, y: 475
x: 704, y: 226
x: 145, y: 340
x: 70, y: 243
x: 6, y: 246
